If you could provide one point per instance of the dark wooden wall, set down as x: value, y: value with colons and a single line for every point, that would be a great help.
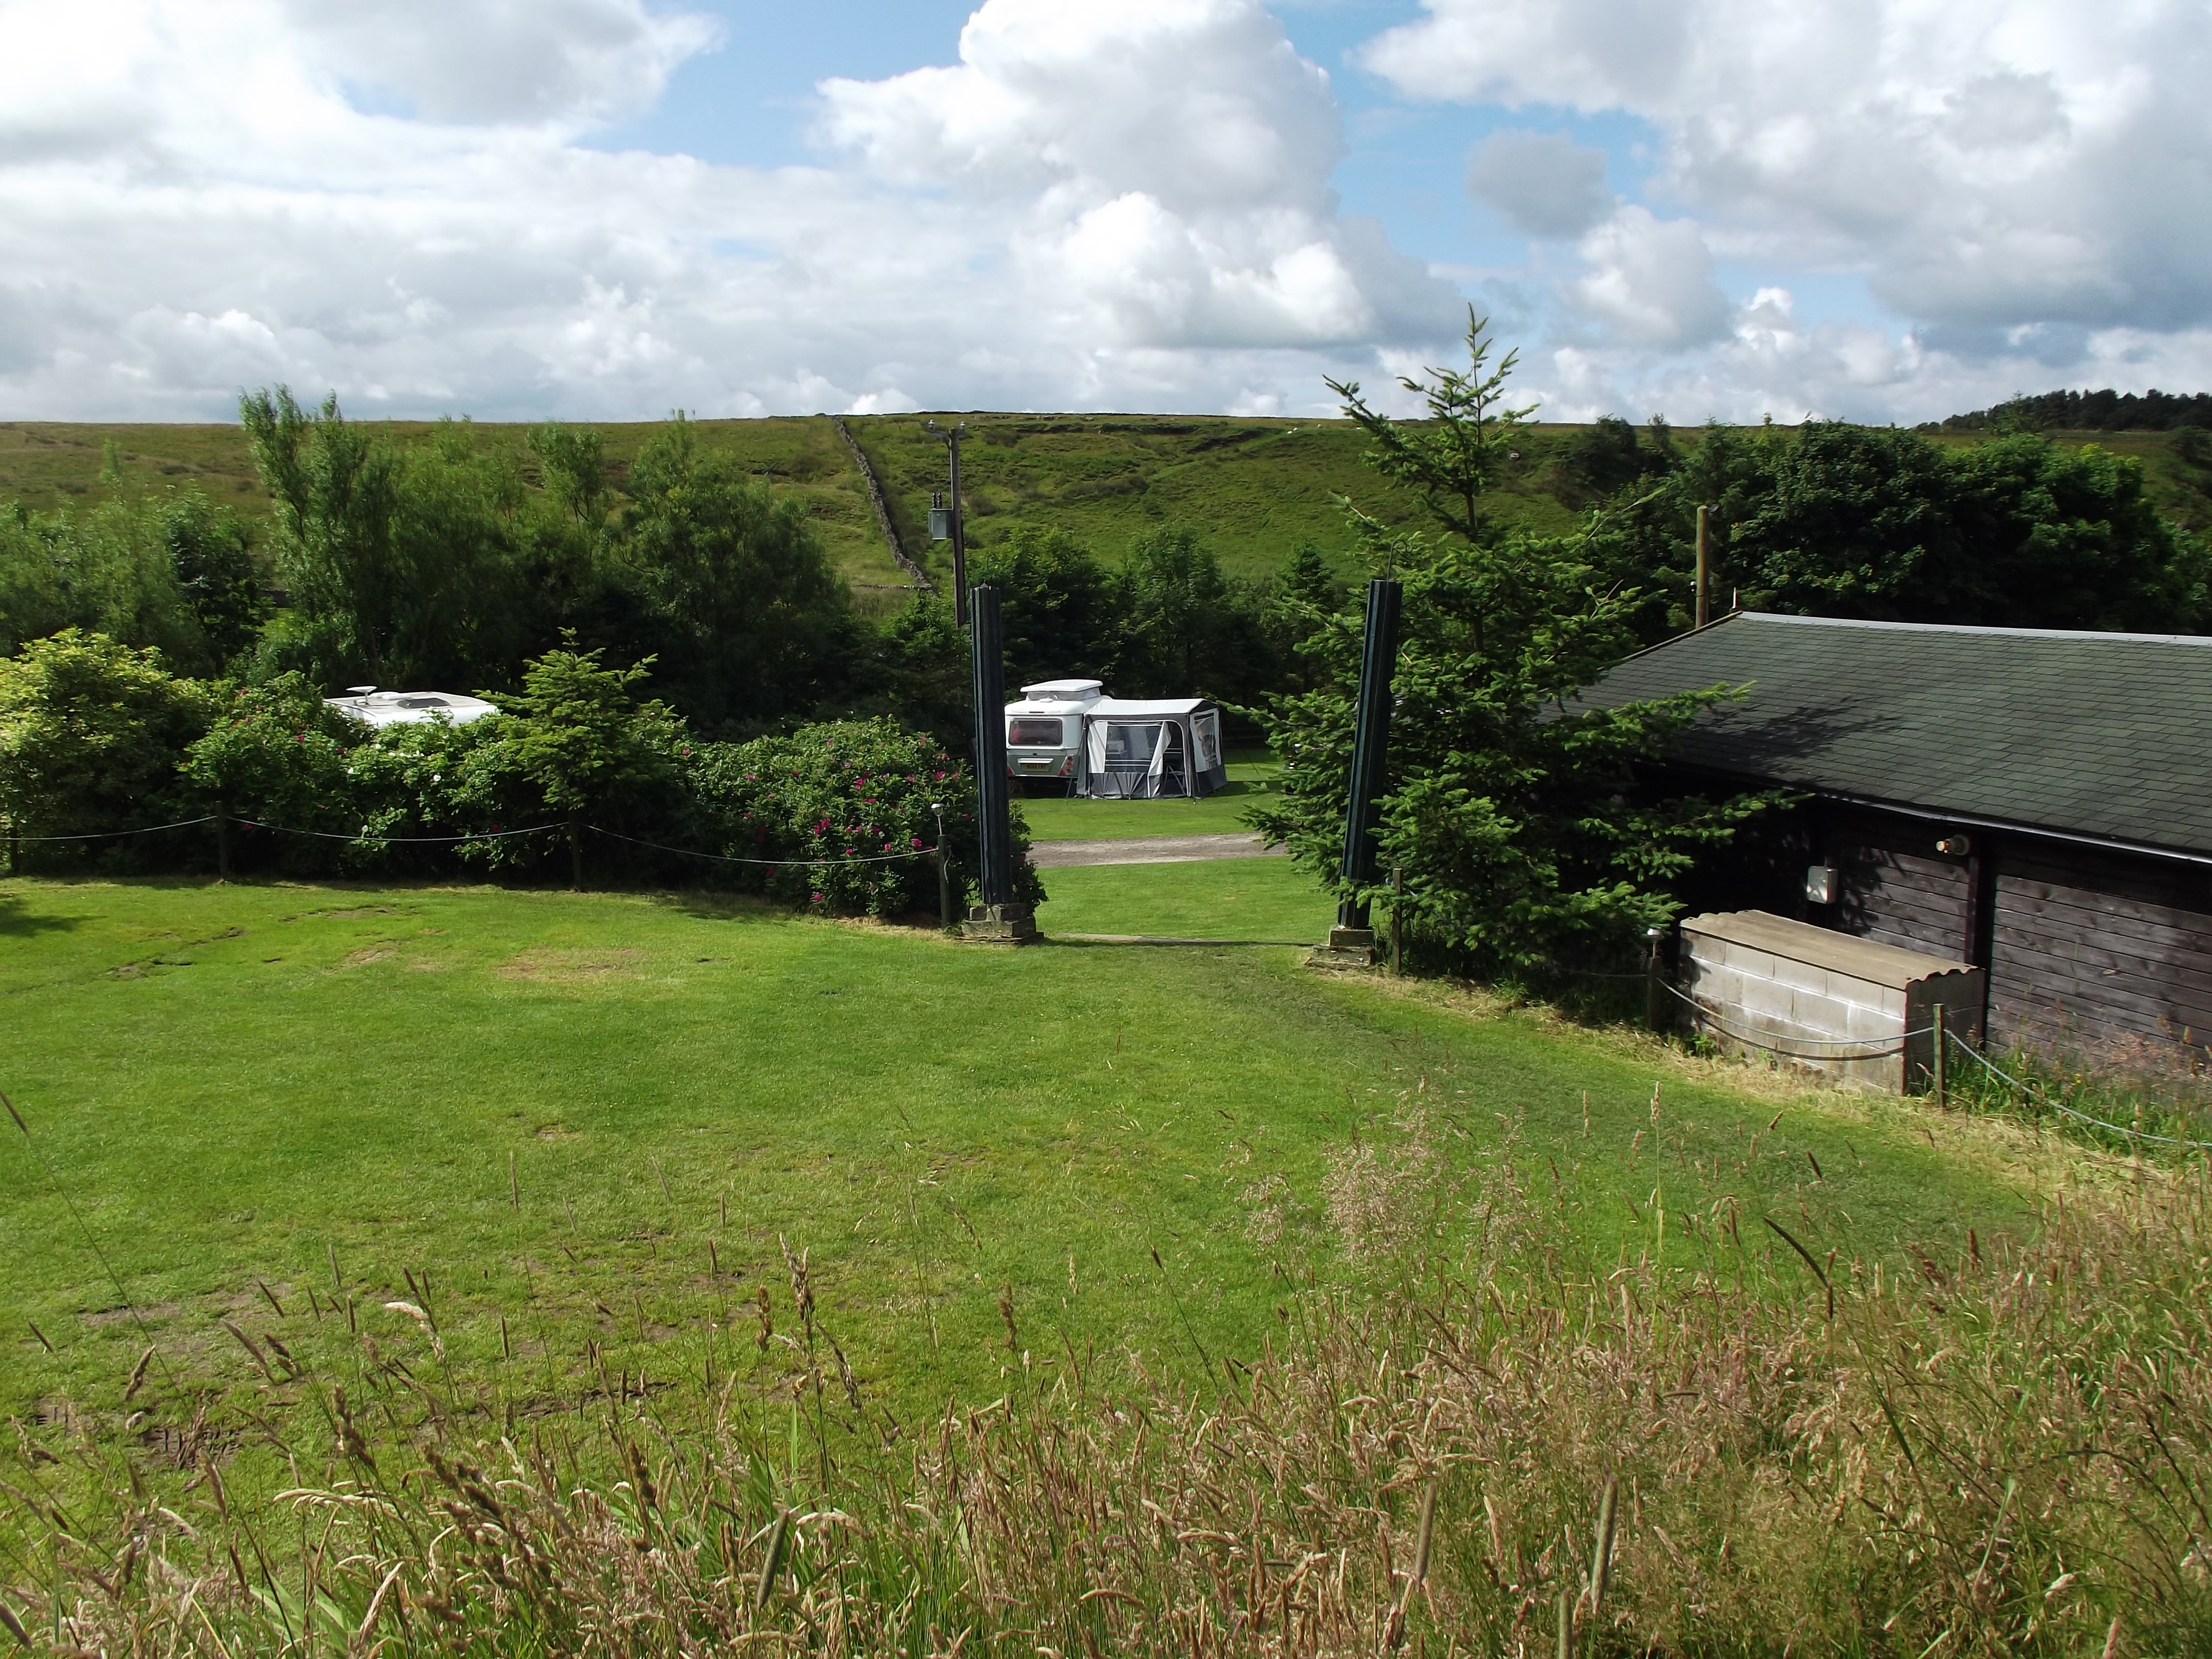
x: 2099, y: 953
x: 1897, y: 888
x: 2088, y: 951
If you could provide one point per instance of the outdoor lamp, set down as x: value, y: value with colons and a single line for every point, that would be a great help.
x: 944, y: 873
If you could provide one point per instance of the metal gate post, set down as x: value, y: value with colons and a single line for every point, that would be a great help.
x: 1352, y: 941
x: 997, y: 917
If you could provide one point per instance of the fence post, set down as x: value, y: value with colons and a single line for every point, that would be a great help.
x: 1654, y: 982
x: 575, y: 856
x: 1397, y: 936
x: 1937, y: 1070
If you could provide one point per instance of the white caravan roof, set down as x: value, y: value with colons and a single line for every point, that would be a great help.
x: 1064, y: 691
x: 380, y: 709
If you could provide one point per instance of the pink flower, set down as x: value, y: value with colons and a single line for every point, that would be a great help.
x: 818, y: 898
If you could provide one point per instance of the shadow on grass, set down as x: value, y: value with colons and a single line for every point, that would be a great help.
x: 19, y: 920
x: 1095, y: 941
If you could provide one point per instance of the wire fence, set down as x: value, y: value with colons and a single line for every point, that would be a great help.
x: 1702, y: 1015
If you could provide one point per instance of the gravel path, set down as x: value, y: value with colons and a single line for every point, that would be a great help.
x: 1151, y: 849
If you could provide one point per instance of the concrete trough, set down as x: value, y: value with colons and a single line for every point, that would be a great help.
x: 1854, y: 1011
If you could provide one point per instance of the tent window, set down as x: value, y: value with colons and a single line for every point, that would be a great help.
x: 1035, y: 733
x: 1208, y: 730
x: 1130, y: 746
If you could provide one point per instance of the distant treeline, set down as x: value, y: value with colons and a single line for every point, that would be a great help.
x: 1832, y: 520
x: 450, y: 563
x: 444, y: 565
x: 2085, y: 411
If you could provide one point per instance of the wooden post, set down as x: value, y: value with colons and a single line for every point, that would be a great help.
x: 1397, y: 937
x: 575, y: 856
x: 1937, y: 1069
x: 222, y: 845
x: 1705, y: 566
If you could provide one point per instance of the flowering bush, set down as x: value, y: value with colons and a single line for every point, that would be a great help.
x: 277, y: 755
x: 847, y: 790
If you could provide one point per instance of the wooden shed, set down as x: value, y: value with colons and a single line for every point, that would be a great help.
x: 2033, y: 803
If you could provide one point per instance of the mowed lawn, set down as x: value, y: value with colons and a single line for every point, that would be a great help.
x: 1059, y: 817
x: 595, y: 1115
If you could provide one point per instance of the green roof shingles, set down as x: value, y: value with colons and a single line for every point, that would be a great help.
x: 2091, y: 735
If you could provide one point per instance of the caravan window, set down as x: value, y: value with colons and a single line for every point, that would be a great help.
x: 1130, y: 746
x: 1033, y: 733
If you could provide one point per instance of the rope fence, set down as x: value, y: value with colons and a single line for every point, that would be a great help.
x: 1705, y: 1016
x: 364, y: 839
x: 772, y: 864
x: 368, y: 840
x: 111, y: 834
x: 2042, y: 1099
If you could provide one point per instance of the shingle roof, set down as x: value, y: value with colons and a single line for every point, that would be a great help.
x: 2088, y: 734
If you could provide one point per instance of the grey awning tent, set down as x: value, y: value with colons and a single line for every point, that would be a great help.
x: 1144, y: 749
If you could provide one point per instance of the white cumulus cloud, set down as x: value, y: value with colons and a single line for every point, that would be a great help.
x: 1544, y: 183
x: 1100, y: 204
x: 1650, y: 282
x: 2016, y: 180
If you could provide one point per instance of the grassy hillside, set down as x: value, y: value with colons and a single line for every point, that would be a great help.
x: 853, y: 1285
x: 1256, y: 488
x: 552, y: 1103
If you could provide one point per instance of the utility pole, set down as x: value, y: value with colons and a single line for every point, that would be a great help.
x: 1705, y: 563
x: 944, y: 522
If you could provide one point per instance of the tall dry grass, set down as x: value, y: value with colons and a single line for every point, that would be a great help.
x: 1503, y: 1445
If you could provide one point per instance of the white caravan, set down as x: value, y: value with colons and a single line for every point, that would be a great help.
x: 1115, y: 748
x: 376, y: 708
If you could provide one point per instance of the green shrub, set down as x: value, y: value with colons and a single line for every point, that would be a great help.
x: 91, y: 735
x: 848, y: 789
x: 277, y: 755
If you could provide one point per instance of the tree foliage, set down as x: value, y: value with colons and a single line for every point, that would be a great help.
x: 174, y: 571
x: 1839, y: 521
x: 91, y: 732
x: 580, y: 735
x: 1527, y: 827
x: 741, y: 589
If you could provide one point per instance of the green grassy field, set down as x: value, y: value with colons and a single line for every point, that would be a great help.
x: 1267, y: 901
x: 1065, y: 817
x: 594, y: 1117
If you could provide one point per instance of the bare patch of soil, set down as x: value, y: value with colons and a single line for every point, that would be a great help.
x: 556, y: 966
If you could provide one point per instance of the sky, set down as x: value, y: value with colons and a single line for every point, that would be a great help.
x: 605, y: 209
